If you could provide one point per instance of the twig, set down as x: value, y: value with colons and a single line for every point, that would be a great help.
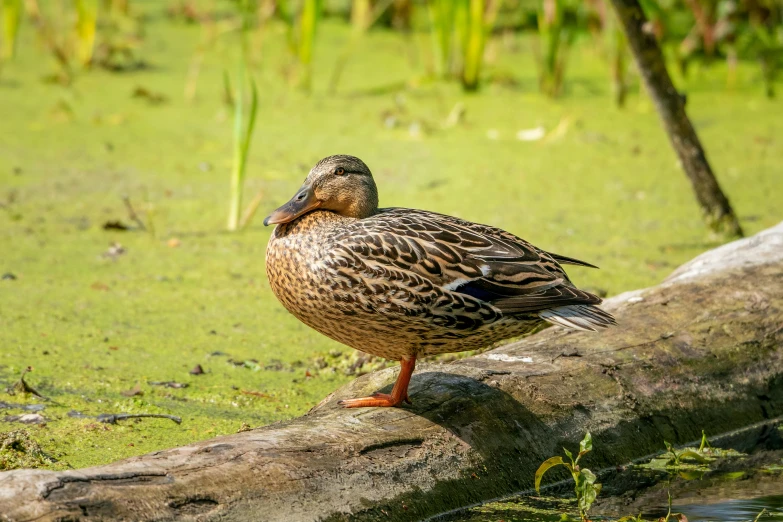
x: 21, y: 386
x: 113, y: 418
x: 132, y: 213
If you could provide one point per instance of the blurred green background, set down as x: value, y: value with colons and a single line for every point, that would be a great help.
x: 132, y: 142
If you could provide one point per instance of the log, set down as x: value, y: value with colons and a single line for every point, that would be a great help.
x: 715, y: 206
x: 700, y: 351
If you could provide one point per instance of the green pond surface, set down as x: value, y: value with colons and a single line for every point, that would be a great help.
x: 102, y: 315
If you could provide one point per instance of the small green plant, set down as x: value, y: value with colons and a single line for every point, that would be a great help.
x: 459, y: 30
x: 761, y: 514
x: 243, y: 134
x: 688, y: 463
x: 441, y: 13
x: 766, y: 45
x: 675, y: 456
x: 73, y: 36
x: 554, y: 42
x: 690, y: 459
x: 585, y: 486
x: 303, y: 18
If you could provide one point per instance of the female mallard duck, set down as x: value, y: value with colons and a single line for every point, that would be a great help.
x: 401, y: 283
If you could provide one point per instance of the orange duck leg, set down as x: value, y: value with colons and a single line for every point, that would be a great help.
x: 399, y: 392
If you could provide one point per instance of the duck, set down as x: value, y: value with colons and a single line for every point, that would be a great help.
x: 401, y: 283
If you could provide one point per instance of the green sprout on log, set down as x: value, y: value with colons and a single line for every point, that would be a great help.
x: 585, y: 486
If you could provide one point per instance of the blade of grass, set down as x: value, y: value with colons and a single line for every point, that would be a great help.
x: 228, y: 94
x: 12, y: 17
x: 441, y: 14
x: 86, y: 22
x: 250, y: 125
x: 618, y: 51
x: 242, y: 140
x: 360, y: 13
x: 474, y: 47
x: 308, y: 22
x: 553, y: 45
x: 237, y: 171
x: 459, y: 38
x: 242, y: 135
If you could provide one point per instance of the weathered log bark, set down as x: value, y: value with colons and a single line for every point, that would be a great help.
x: 715, y: 205
x: 700, y: 351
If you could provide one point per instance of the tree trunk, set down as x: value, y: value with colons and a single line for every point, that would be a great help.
x: 700, y: 351
x: 671, y: 107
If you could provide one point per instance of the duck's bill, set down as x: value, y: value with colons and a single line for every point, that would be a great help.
x: 303, y: 202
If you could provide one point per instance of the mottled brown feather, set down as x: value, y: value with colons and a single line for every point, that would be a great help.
x: 404, y: 282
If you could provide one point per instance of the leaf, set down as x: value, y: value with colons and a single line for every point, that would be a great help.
x: 659, y: 463
x: 569, y: 455
x: 692, y: 474
x: 704, y: 442
x: 692, y: 454
x: 587, y: 489
x: 589, y: 476
x: 545, y: 466
x: 587, y: 444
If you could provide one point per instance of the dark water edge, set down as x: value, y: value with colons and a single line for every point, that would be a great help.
x: 731, y: 489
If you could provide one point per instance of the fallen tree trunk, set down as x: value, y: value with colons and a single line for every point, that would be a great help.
x: 700, y: 351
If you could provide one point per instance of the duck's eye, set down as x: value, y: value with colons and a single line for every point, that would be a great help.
x: 339, y: 171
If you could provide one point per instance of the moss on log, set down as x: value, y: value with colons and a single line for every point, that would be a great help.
x: 700, y: 351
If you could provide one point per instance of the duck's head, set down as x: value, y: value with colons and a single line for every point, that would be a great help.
x: 341, y: 184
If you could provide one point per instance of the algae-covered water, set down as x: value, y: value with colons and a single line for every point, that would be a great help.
x: 102, y: 315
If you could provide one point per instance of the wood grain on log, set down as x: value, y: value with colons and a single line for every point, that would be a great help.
x: 700, y: 351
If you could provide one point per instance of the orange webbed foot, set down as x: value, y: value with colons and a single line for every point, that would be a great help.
x: 376, y: 400
x: 385, y: 400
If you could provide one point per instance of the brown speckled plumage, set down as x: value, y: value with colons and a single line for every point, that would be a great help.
x: 400, y: 283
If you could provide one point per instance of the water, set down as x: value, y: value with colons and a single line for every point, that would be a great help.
x: 529, y: 510
x: 731, y: 510
x: 733, y: 489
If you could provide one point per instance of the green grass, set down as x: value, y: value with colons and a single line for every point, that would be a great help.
x: 608, y: 191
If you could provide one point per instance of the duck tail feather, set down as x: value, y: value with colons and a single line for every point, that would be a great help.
x: 587, y: 318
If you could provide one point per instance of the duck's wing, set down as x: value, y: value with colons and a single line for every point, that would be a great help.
x: 485, y: 263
